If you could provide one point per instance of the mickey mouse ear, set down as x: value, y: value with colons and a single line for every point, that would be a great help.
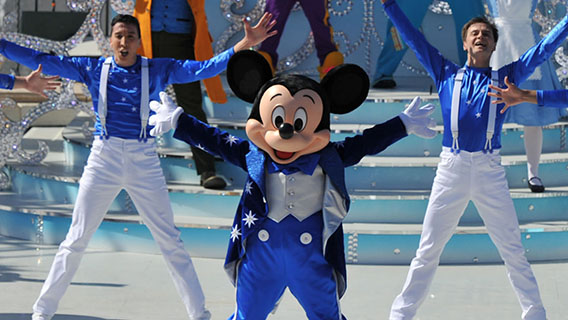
x: 347, y: 86
x: 247, y: 71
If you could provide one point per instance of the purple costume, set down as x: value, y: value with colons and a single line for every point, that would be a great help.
x: 318, y: 17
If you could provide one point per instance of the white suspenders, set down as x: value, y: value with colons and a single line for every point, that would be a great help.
x: 144, y: 99
x: 456, y: 95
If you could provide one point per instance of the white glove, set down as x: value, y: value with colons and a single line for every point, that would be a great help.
x: 416, y: 119
x: 166, y: 117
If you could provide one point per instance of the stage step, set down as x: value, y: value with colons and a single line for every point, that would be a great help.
x: 365, y: 243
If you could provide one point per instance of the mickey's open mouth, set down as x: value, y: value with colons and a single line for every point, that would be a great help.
x: 282, y: 155
x: 124, y: 53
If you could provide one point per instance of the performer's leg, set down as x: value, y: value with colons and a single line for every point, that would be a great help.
x: 262, y: 277
x: 280, y: 10
x: 189, y: 97
x: 533, y: 149
x: 99, y: 185
x: 327, y: 51
x: 494, y: 203
x: 394, y: 48
x: 318, y: 17
x: 147, y: 187
x: 463, y: 11
x: 449, y: 198
x: 313, y: 281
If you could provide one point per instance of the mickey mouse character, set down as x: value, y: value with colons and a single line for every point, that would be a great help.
x: 287, y: 230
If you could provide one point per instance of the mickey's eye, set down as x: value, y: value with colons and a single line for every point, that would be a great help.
x: 300, y: 119
x: 278, y: 116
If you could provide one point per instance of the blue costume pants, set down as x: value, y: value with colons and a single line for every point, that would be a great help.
x: 286, y: 254
x: 415, y: 10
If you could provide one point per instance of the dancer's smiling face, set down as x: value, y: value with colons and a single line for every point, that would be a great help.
x: 479, y: 42
x: 124, y: 42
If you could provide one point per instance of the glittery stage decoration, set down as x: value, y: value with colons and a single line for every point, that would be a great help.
x: 440, y: 7
x: 12, y: 132
x: 546, y: 15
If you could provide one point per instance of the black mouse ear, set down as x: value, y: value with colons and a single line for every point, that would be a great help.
x: 247, y: 71
x: 347, y: 87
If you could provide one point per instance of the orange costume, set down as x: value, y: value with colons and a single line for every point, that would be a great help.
x: 202, y: 42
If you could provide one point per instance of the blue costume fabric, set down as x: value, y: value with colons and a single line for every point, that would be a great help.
x: 394, y: 48
x: 124, y: 84
x: 552, y: 98
x: 7, y: 81
x: 172, y: 16
x: 251, y: 217
x: 516, y: 34
x: 474, y: 102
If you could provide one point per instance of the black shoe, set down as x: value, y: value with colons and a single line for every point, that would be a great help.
x: 211, y: 181
x: 535, y: 184
x: 384, y: 82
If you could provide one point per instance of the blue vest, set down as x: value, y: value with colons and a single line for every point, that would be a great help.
x: 172, y: 16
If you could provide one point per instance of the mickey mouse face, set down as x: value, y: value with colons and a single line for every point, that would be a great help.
x: 290, y: 116
x: 287, y: 129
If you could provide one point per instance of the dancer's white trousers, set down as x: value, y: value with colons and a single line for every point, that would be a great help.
x: 113, y: 165
x: 462, y: 177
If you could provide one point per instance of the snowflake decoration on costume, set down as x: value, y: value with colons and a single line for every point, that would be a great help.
x: 249, y: 219
x: 478, y: 115
x: 248, y: 187
x: 235, y: 233
x: 230, y: 139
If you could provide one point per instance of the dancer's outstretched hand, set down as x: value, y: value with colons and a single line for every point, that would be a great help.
x: 34, y: 82
x: 511, y: 95
x: 417, y: 121
x: 166, y: 117
x: 258, y: 33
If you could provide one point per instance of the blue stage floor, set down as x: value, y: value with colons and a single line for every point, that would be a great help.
x: 125, y: 286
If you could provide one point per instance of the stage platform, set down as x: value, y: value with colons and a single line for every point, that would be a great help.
x: 138, y: 286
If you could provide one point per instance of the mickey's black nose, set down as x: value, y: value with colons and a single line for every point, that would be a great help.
x: 286, y: 130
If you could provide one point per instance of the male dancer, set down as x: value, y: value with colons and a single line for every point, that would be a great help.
x: 33, y: 82
x: 470, y: 166
x: 125, y: 156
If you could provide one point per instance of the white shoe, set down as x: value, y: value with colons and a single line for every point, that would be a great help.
x: 206, y: 315
x: 41, y: 316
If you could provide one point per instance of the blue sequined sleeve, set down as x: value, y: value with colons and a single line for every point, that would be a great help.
x: 428, y: 55
x: 552, y: 98
x: 539, y: 53
x: 7, y: 81
x: 67, y: 67
x: 183, y: 71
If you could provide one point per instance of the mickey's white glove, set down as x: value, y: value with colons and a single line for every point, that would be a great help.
x: 166, y: 117
x: 416, y: 120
